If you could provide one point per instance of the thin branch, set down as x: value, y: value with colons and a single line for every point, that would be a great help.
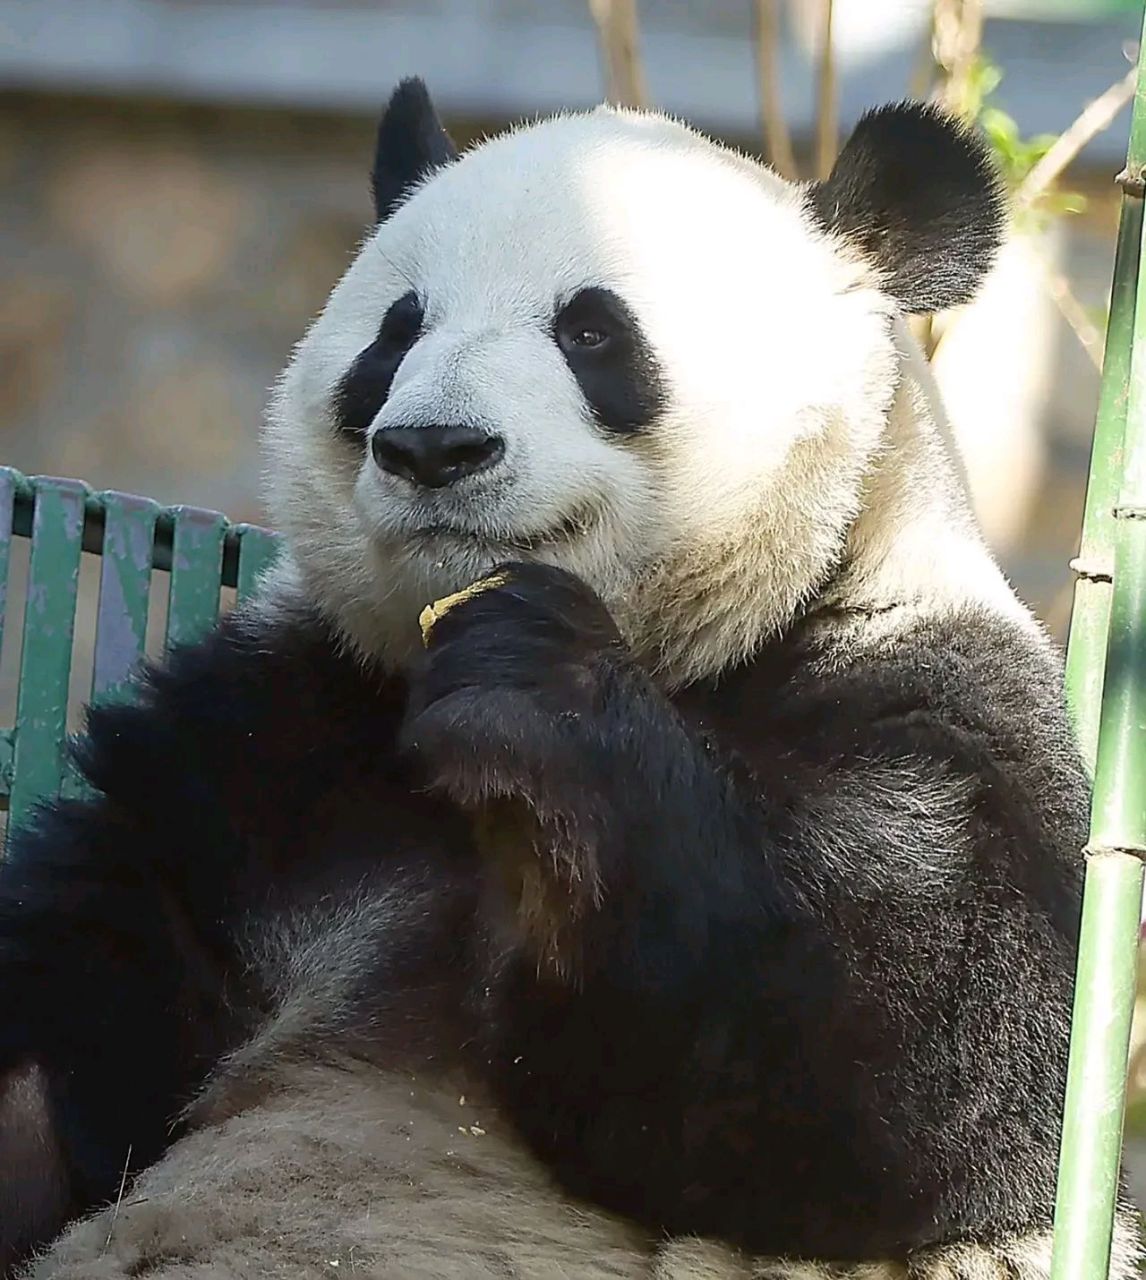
x: 618, y: 31
x: 958, y: 35
x: 926, y: 333
x: 1074, y: 313
x: 826, y: 125
x: 954, y: 39
x: 923, y: 71
x: 1098, y: 115
x: 777, y: 137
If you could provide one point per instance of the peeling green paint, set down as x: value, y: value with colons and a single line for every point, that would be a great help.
x: 135, y: 537
x: 49, y: 616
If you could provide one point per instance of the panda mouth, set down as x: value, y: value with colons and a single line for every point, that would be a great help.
x: 570, y: 527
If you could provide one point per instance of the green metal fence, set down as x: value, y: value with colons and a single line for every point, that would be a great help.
x: 200, y: 550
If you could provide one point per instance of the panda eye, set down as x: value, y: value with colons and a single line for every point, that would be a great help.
x: 608, y: 354
x: 588, y: 322
x: 589, y: 338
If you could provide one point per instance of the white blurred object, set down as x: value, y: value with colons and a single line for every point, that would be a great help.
x: 995, y: 367
x: 861, y: 29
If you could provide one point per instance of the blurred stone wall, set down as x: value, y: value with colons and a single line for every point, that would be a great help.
x: 157, y: 265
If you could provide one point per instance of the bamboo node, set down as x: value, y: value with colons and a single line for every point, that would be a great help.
x: 1115, y: 851
x: 1129, y: 511
x: 1091, y: 570
x: 1132, y: 184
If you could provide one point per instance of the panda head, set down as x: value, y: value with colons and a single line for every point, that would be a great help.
x: 606, y: 342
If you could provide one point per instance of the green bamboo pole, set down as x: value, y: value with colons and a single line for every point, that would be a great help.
x: 1090, y: 614
x: 1086, y: 644
x: 1113, y: 709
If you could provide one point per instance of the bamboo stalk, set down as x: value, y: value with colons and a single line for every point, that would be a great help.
x: 826, y: 109
x: 618, y: 31
x: 1094, y: 566
x: 1096, y: 1086
x: 925, y: 67
x: 777, y: 137
x: 954, y: 39
x: 1108, y: 942
x: 958, y: 28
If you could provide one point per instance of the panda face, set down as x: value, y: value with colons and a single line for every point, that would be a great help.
x: 600, y: 341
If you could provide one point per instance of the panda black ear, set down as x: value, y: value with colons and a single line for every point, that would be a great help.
x: 918, y: 195
x: 411, y: 142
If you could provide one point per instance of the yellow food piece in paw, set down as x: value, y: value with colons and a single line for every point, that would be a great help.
x: 432, y: 612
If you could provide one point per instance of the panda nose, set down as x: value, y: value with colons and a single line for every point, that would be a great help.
x: 435, y: 456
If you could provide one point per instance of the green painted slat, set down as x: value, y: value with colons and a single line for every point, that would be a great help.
x: 258, y: 550
x: 49, y: 619
x: 8, y: 482
x: 73, y: 785
x: 196, y: 573
x: 135, y: 535
x: 5, y: 764
x: 124, y: 590
x: 93, y: 529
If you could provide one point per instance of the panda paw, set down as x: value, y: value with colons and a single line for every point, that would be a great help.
x: 512, y: 668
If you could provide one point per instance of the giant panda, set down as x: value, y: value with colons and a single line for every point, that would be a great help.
x: 635, y: 831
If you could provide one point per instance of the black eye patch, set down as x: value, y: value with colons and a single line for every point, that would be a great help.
x: 611, y: 359
x: 363, y: 389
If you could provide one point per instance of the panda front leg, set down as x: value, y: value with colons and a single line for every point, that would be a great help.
x: 586, y: 788
x: 629, y: 1032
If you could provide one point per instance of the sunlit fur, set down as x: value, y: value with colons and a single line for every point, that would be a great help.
x: 335, y: 1168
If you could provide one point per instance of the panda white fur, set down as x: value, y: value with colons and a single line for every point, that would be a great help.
x: 701, y: 900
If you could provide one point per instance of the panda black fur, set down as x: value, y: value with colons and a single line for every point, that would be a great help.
x: 714, y: 873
